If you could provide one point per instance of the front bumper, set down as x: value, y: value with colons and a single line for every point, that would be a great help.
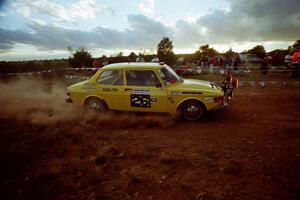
x: 68, y: 100
x: 221, y: 106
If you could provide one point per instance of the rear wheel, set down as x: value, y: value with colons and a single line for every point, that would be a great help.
x: 192, y: 110
x: 95, y: 104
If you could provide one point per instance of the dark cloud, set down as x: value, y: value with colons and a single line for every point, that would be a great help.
x: 145, y: 30
x: 266, y: 20
x: 187, y: 34
x: 2, y: 2
x: 143, y: 33
x: 10, y: 37
x: 267, y: 8
x: 245, y: 21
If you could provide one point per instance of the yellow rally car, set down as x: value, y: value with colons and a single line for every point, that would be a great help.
x: 146, y: 87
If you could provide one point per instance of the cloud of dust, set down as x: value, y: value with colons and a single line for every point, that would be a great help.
x: 41, y: 102
x: 35, y: 101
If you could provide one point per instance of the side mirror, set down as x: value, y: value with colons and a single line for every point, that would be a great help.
x: 158, y: 85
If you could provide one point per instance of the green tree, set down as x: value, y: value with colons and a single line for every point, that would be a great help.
x: 80, y: 57
x: 165, y: 51
x: 205, y: 50
x: 104, y: 58
x: 132, y: 57
x: 296, y: 45
x: 229, y: 52
x: 258, y: 50
x: 120, y: 54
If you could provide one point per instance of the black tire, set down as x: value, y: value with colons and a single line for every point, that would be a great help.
x: 192, y: 110
x: 96, y: 105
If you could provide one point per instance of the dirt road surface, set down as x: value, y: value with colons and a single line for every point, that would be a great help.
x: 250, y: 150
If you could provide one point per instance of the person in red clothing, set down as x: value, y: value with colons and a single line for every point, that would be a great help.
x: 264, y: 64
x: 227, y: 84
x: 296, y: 64
x: 214, y: 61
x: 295, y: 58
x: 96, y: 64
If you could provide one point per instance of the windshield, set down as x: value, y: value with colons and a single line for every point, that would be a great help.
x: 168, y: 75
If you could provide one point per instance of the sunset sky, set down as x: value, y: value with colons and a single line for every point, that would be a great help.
x: 43, y: 29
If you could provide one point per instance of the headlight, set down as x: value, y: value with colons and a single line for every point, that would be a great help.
x: 219, y: 99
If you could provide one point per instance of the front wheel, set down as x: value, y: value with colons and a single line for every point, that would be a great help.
x: 192, y: 110
x: 95, y: 104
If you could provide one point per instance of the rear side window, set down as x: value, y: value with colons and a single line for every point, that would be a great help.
x: 141, y: 78
x: 111, y: 77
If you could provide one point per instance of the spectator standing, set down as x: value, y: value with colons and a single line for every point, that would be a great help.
x: 214, y: 61
x: 222, y: 61
x: 209, y: 59
x: 96, y: 63
x: 218, y: 61
x: 287, y: 63
x: 295, y: 58
x: 236, y: 62
x: 205, y: 60
x: 296, y: 64
x: 228, y: 84
x: 232, y: 61
x: 227, y: 62
x: 140, y: 58
x: 264, y: 65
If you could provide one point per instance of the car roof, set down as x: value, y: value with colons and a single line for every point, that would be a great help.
x: 134, y: 65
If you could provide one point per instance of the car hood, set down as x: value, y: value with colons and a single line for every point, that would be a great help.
x: 197, y: 85
x: 192, y: 83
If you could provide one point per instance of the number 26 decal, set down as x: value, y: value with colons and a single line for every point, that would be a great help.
x: 140, y: 100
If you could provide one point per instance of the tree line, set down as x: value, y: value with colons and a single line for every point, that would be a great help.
x: 165, y: 53
x: 82, y: 57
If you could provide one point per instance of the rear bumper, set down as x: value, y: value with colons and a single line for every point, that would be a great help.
x: 68, y: 100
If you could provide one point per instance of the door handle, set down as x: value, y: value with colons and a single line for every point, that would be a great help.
x: 127, y: 89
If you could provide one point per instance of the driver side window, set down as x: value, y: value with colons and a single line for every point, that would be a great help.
x: 141, y: 78
x: 111, y: 77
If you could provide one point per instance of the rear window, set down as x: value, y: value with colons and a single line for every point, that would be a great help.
x: 111, y: 77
